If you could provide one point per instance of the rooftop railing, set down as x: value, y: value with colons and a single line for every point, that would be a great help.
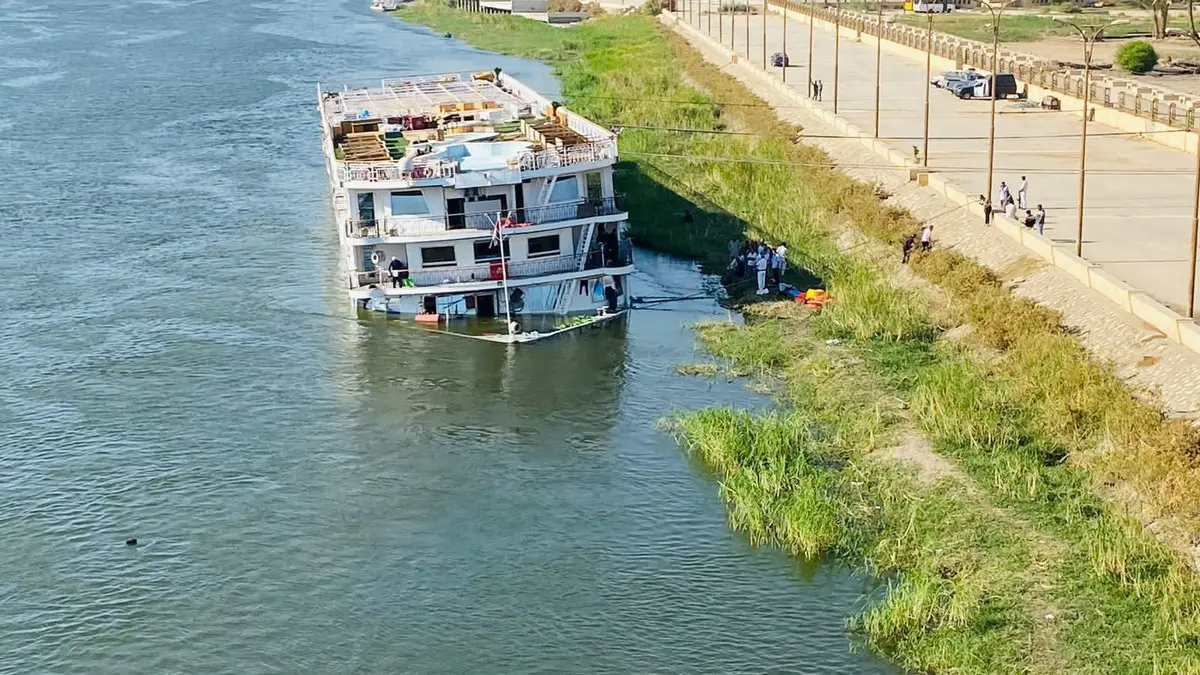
x: 409, y: 226
x: 583, y: 153
x: 375, y: 172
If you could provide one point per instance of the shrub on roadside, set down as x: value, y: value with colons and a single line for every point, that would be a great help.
x: 653, y: 7
x: 1137, y: 57
x: 564, y: 6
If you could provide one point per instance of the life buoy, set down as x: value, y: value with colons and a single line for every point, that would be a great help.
x: 377, y: 257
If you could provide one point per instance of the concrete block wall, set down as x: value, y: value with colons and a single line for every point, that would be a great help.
x: 1135, y: 301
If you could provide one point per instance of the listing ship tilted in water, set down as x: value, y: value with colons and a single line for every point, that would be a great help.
x: 473, y: 195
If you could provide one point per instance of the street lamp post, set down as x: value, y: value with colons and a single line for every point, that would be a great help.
x: 1089, y: 43
x: 811, y: 20
x: 837, y: 49
x: 708, y: 19
x: 996, y: 12
x: 764, y: 37
x: 786, y: 7
x: 746, y: 5
x: 1195, y: 231
x: 928, y: 86
x: 878, y: 58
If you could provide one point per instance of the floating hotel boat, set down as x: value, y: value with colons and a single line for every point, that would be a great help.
x: 472, y: 195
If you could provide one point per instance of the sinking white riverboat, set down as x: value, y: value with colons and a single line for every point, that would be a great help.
x: 471, y: 195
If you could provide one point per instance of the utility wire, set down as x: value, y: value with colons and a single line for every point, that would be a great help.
x: 831, y: 165
x: 801, y: 134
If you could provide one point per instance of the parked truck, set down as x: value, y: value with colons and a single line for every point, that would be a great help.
x: 1006, y: 87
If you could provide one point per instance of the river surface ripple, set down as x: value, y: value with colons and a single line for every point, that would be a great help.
x: 313, y: 492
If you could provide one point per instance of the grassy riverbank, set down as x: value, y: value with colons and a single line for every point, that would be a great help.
x: 1011, y: 558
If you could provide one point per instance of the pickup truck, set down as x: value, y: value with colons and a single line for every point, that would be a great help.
x: 1006, y: 86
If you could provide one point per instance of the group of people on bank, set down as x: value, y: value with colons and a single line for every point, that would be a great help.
x: 753, y: 259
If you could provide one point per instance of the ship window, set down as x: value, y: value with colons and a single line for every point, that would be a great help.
x: 437, y: 256
x: 409, y: 204
x: 486, y: 251
x: 543, y: 246
x: 595, y: 185
x: 566, y: 189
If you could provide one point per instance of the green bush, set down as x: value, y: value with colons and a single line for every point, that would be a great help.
x: 564, y: 6
x: 1137, y: 57
x: 653, y: 7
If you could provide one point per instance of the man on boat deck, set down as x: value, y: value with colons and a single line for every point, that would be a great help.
x: 397, y: 272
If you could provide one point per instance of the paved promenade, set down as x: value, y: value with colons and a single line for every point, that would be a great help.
x: 1164, y: 372
x: 1138, y: 202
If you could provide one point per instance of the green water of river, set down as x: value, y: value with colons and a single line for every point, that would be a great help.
x: 315, y: 492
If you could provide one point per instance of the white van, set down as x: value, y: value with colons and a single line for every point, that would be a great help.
x: 932, y: 7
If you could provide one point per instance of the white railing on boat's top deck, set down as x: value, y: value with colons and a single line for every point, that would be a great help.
x: 375, y: 172
x: 584, y: 153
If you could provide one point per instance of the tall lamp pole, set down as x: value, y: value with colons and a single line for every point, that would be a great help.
x: 1089, y: 43
x: 996, y: 11
x: 786, y: 7
x: 837, y: 48
x: 747, y: 6
x: 928, y: 86
x: 811, y: 20
x: 878, y: 57
x: 1195, y: 231
x: 709, y: 18
x: 764, y: 38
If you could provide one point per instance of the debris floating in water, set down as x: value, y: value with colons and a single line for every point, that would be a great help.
x: 131, y: 542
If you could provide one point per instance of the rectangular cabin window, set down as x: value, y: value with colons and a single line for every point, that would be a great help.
x: 566, y: 189
x: 487, y: 251
x: 595, y: 185
x: 540, y: 247
x: 438, y: 256
x: 409, y: 204
x: 366, y: 205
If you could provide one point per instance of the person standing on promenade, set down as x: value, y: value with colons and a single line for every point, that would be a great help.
x: 1004, y: 194
x: 812, y: 93
x: 927, y: 238
x: 1023, y: 194
x: 820, y: 89
x: 909, y: 242
x: 1039, y: 219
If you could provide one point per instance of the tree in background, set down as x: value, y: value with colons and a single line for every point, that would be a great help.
x: 1136, y: 57
x: 1160, y: 11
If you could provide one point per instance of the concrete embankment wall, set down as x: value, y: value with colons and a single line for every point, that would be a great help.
x: 1132, y: 300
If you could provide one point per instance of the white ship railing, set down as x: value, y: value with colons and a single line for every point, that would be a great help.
x: 376, y: 172
x: 490, y: 271
x: 407, y: 226
x: 585, y: 153
x: 516, y: 270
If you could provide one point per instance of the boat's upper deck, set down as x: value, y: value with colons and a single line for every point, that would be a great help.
x: 439, y: 126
